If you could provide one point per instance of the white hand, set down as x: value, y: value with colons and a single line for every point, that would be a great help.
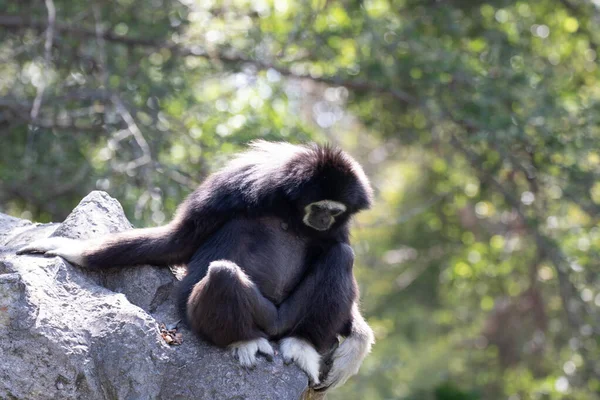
x: 71, y: 250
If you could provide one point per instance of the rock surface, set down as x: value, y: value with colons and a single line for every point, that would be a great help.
x: 68, y: 333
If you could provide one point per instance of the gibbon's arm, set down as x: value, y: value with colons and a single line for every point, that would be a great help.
x: 323, y: 299
x: 170, y: 244
x: 326, y: 300
x: 215, y: 202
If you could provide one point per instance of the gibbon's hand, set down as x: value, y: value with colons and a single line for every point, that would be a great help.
x: 349, y: 355
x: 71, y: 250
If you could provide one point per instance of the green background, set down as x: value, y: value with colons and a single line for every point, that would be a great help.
x: 477, y: 122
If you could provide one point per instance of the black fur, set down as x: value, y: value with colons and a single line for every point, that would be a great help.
x: 254, y: 268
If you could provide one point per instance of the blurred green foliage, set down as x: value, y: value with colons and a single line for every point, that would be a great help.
x: 477, y: 121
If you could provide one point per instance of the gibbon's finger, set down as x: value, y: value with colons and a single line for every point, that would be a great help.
x: 44, y: 245
x: 350, y: 354
x: 70, y: 249
x: 29, y: 249
x: 335, y: 378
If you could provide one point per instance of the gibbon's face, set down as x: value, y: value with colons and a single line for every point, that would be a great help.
x: 321, y: 215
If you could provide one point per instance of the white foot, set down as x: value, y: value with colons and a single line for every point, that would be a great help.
x: 304, y: 355
x: 246, y: 351
x: 71, y: 250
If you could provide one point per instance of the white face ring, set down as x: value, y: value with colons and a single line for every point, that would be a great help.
x: 335, y: 207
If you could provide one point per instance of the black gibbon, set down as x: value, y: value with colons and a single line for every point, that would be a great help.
x: 266, y: 243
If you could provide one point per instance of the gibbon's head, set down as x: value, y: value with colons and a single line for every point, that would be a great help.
x: 327, y: 184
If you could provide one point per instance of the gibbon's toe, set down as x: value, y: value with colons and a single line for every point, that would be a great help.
x: 246, y: 351
x: 264, y: 348
x: 304, y: 355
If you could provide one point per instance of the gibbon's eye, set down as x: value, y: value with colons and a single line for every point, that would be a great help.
x: 337, y: 209
x: 318, y: 208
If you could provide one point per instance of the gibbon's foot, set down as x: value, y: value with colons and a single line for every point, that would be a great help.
x: 304, y: 355
x: 71, y: 250
x: 246, y: 351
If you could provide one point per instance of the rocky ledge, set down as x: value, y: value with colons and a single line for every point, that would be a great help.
x: 68, y: 333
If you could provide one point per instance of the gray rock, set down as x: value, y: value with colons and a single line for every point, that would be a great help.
x: 20, y: 231
x: 10, y: 225
x: 68, y: 333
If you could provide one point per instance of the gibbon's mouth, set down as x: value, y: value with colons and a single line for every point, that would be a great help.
x: 319, y: 224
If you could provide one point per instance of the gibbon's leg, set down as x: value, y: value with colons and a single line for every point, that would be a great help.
x: 318, y: 310
x: 227, y: 309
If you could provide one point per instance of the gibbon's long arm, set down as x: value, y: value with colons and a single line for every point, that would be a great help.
x: 321, y: 303
x: 216, y: 201
x: 170, y: 244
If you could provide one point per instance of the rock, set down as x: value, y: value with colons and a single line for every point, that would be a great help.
x: 69, y: 333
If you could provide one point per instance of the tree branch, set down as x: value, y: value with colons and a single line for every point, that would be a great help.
x: 135, y: 131
x: 18, y: 22
x: 20, y: 110
x: 548, y: 248
x: 578, y: 13
x: 37, y: 102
